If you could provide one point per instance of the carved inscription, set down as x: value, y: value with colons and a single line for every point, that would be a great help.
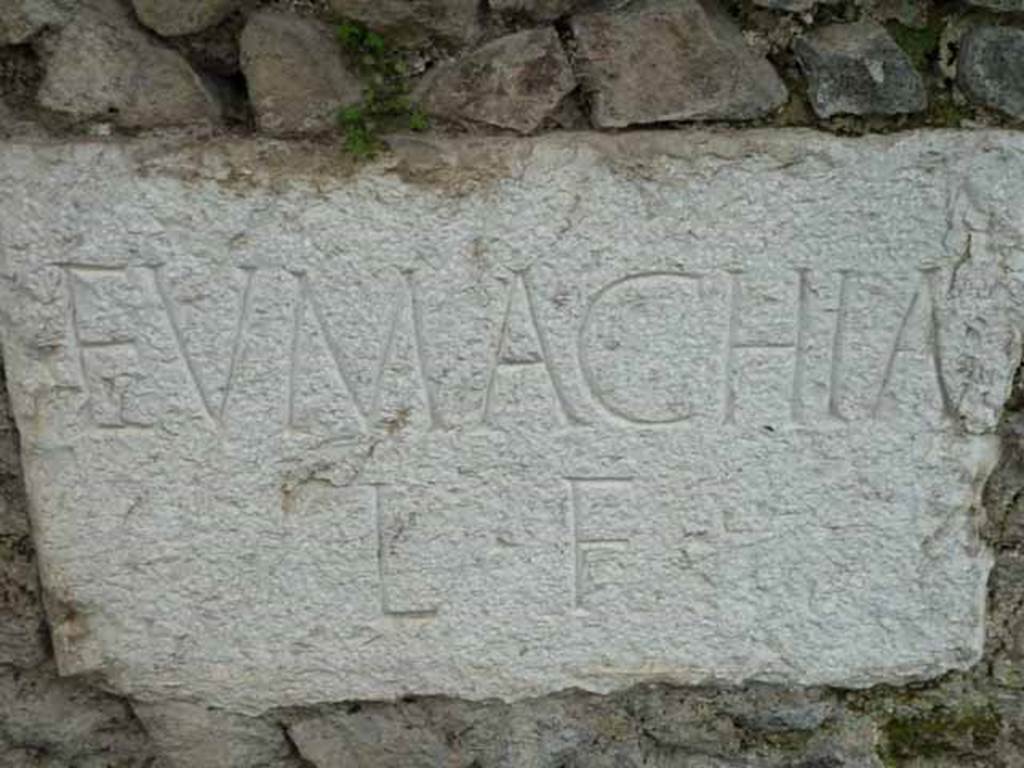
x: 737, y: 341
x: 785, y: 321
x: 509, y: 421
x: 923, y: 302
x: 619, y: 411
x: 835, y: 378
x: 520, y: 291
x: 384, y: 536
x: 584, y: 542
x: 213, y: 409
x: 611, y: 494
x: 404, y: 306
x: 146, y: 282
x: 108, y: 407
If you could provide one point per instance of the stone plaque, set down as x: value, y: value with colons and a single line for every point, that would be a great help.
x: 501, y: 418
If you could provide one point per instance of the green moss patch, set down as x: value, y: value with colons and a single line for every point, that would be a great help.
x: 940, y: 732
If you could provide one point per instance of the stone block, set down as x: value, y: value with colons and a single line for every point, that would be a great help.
x: 183, y: 17
x: 297, y: 78
x: 415, y: 22
x: 671, y: 61
x: 102, y: 65
x: 515, y: 82
x: 62, y: 722
x: 858, y: 69
x: 567, y: 729
x: 990, y: 69
x: 569, y: 412
x: 20, y: 20
x: 192, y: 736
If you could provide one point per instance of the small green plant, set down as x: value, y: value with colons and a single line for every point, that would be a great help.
x: 418, y: 120
x: 355, y: 37
x: 360, y: 140
x: 385, y: 104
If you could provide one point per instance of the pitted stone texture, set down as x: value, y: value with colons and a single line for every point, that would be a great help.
x: 192, y: 736
x: 22, y: 19
x: 529, y: 416
x: 183, y: 17
x: 514, y: 82
x: 858, y: 69
x: 675, y: 60
x: 991, y: 69
x: 415, y: 22
x: 295, y: 72
x: 103, y: 66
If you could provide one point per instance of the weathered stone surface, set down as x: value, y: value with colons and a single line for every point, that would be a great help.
x: 538, y: 10
x: 297, y: 78
x: 375, y: 738
x: 183, y: 17
x: 191, y: 736
x: 1007, y: 620
x: 913, y: 14
x: 552, y: 413
x: 991, y: 68
x: 415, y: 22
x: 103, y: 65
x: 22, y: 637
x: 858, y: 69
x: 668, y: 61
x: 692, y: 727
x: 569, y: 729
x: 22, y: 19
x: 62, y: 722
x: 516, y: 82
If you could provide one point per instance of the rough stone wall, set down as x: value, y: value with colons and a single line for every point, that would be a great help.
x: 280, y: 66
x: 523, y: 66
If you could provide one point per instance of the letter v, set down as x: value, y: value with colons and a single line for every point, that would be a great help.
x: 214, y: 410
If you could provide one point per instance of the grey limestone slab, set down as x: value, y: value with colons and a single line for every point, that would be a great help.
x: 494, y: 418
